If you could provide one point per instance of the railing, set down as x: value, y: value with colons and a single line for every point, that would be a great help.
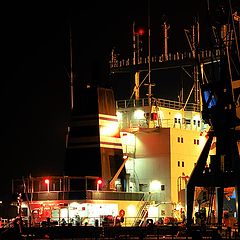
x: 130, y: 233
x: 204, y: 54
x: 144, y: 102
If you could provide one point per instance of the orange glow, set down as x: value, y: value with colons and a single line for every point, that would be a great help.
x: 109, y: 130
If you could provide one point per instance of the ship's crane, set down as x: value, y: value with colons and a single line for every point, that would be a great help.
x: 114, y: 178
x: 220, y: 109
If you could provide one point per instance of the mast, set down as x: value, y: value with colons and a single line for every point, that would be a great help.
x: 71, y: 80
x: 149, y: 84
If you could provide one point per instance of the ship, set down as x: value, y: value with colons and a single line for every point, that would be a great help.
x: 130, y: 161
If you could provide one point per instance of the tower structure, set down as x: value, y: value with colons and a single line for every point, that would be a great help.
x: 220, y: 96
x: 94, y: 145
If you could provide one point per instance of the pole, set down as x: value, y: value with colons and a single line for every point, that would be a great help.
x: 149, y: 57
x: 71, y: 66
x: 134, y: 45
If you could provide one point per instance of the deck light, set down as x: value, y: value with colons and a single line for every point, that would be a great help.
x: 99, y: 182
x: 47, y: 183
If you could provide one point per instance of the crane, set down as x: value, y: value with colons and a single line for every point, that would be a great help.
x: 114, y: 178
x: 220, y: 109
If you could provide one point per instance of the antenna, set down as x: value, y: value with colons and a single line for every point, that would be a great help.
x: 149, y: 59
x: 71, y: 67
x: 71, y: 79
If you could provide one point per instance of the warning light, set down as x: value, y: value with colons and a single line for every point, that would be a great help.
x: 47, y: 183
x: 141, y: 31
x: 99, y: 182
x: 121, y: 213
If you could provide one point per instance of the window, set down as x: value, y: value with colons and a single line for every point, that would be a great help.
x: 198, y: 123
x: 182, y: 164
x: 175, y: 120
x: 180, y: 139
x: 179, y: 120
x: 196, y: 141
x: 178, y: 163
x: 194, y: 122
x: 162, y: 187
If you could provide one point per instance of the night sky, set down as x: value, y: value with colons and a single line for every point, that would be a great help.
x: 35, y: 67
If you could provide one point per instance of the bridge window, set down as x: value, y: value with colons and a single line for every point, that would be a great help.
x: 177, y: 120
x: 196, y: 141
x: 180, y: 139
x: 198, y: 123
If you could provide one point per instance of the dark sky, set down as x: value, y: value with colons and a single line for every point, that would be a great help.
x: 34, y: 91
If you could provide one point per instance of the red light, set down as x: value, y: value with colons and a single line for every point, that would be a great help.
x: 121, y: 213
x: 46, y: 181
x: 141, y: 31
x: 99, y: 181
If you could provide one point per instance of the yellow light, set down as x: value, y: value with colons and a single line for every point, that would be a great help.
x: 178, y: 116
x: 119, y: 116
x: 155, y: 185
x: 139, y: 114
x: 109, y: 130
x: 131, y: 210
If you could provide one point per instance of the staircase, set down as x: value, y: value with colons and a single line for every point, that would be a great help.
x: 142, y: 210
